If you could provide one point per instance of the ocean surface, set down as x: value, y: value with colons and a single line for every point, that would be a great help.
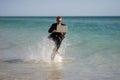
x: 90, y: 50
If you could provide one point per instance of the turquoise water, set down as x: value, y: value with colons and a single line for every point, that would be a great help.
x: 90, y: 51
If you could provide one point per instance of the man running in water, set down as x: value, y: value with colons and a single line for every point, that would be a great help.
x: 57, y: 37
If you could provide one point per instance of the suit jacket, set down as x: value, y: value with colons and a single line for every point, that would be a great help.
x: 55, y: 34
x: 53, y: 27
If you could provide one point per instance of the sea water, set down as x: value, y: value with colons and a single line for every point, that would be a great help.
x: 90, y: 50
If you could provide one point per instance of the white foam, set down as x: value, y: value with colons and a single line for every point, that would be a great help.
x: 58, y: 58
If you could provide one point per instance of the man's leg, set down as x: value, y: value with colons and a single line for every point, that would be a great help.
x: 58, y: 43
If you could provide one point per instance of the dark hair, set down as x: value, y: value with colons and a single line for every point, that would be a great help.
x: 59, y: 17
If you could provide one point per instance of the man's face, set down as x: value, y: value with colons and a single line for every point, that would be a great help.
x: 59, y: 20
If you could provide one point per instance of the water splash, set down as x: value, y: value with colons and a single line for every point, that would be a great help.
x: 44, y: 51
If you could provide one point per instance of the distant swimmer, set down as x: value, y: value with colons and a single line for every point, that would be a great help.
x: 58, y: 31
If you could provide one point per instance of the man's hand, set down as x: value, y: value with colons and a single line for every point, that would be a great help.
x: 62, y: 33
x: 59, y: 32
x: 54, y: 30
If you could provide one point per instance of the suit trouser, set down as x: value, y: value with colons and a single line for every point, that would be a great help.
x: 57, y: 39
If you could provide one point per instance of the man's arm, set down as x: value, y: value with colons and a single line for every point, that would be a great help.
x: 52, y: 28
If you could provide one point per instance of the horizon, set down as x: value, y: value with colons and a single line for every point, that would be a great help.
x: 61, y: 16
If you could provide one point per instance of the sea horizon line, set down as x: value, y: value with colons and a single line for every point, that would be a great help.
x: 55, y: 16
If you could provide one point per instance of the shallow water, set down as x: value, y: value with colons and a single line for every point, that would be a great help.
x: 90, y: 51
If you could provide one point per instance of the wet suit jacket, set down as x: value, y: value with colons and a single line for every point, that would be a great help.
x: 57, y: 37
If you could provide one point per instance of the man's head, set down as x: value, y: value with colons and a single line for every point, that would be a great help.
x: 59, y: 19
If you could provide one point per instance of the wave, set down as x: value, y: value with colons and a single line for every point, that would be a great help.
x: 41, y: 51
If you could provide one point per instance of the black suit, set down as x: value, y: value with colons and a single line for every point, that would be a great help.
x: 56, y: 36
